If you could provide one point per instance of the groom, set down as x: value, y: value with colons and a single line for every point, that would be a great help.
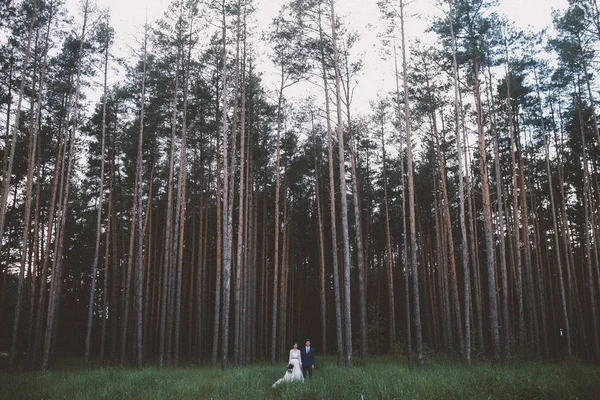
x: 308, y: 359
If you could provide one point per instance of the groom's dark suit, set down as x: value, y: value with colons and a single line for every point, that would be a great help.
x: 308, y: 360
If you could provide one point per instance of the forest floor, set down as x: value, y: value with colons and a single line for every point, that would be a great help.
x: 381, y: 378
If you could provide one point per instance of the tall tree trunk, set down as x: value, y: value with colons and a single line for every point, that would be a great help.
x: 219, y: 259
x: 229, y: 173
x: 332, y: 215
x: 241, y: 265
x: 15, y: 130
x: 446, y: 221
x: 181, y: 192
x: 100, y: 200
x: 388, y: 247
x: 323, y: 301
x: 138, y: 195
x: 587, y: 227
x: 343, y: 193
x: 411, y: 197
x: 37, y: 230
x: 277, y: 230
x: 54, y: 300
x: 166, y: 314
x: 561, y: 282
x: 517, y: 240
x: 31, y: 156
x: 501, y: 228
x: 487, y: 222
x: 362, y: 294
x: 404, y: 231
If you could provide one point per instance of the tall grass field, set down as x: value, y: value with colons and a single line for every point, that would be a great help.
x: 381, y: 378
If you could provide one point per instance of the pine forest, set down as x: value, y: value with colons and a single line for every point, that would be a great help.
x: 200, y: 209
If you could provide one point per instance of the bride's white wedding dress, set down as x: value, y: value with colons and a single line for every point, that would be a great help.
x: 296, y: 374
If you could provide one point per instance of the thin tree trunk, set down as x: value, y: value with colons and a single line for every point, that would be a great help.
x: 487, y: 221
x: 37, y: 229
x: 332, y: 215
x: 447, y: 223
x: 587, y: 227
x: 275, y: 299
x: 54, y: 300
x: 138, y: 209
x: 343, y: 194
x: 229, y: 196
x: 166, y: 317
x: 241, y: 265
x: 219, y: 259
x: 88, y: 337
x: 13, y: 143
x: 405, y: 264
x: 388, y: 249
x: 360, y: 255
x: 362, y: 295
x: 411, y: 198
x: 501, y: 229
x: 321, y: 249
x: 181, y: 194
x: 31, y: 157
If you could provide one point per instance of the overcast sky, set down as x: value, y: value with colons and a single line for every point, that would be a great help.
x: 128, y: 16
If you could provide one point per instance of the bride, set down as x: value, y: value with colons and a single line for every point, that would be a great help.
x: 295, y: 362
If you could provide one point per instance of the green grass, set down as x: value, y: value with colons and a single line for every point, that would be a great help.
x: 382, y: 378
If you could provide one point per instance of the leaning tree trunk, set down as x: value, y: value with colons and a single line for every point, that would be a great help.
x: 31, y: 156
x: 37, y: 229
x: 15, y: 130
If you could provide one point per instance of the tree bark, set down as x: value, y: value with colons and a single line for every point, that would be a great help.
x: 487, y: 221
x: 343, y: 194
x: 336, y: 281
x: 54, y: 300
x: 100, y: 200
x: 411, y: 198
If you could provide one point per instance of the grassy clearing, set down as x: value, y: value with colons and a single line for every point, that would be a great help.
x: 382, y: 378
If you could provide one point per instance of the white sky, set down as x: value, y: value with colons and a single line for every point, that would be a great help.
x: 128, y: 17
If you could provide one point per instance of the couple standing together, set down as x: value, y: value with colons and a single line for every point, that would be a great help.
x: 300, y: 364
